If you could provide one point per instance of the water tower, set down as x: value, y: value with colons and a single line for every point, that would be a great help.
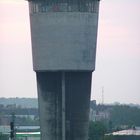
x: 64, y: 34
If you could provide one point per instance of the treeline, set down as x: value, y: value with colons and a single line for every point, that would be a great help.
x: 19, y: 111
x: 20, y: 102
x: 23, y: 116
x: 97, y: 130
x: 27, y: 121
x: 124, y: 115
x: 120, y: 116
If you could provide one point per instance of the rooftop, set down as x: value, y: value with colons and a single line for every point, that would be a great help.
x: 135, y: 131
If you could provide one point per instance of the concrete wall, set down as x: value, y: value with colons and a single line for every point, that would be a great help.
x: 64, y: 40
x: 77, y: 97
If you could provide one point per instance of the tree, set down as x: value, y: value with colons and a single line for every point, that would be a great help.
x: 3, y: 137
x: 96, y: 130
x: 125, y: 115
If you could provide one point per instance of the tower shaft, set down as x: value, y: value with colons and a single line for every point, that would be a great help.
x: 64, y: 34
x: 51, y: 104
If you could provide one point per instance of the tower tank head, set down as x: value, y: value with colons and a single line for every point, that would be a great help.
x: 64, y: 34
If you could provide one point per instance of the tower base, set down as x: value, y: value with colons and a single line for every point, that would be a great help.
x: 64, y: 99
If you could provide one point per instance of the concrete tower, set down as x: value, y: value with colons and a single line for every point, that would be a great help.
x: 64, y: 34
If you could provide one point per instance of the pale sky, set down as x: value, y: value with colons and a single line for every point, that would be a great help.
x: 118, y: 52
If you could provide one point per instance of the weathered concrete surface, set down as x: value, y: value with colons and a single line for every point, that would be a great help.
x: 78, y: 85
x: 77, y: 96
x: 64, y: 40
x: 49, y: 95
x: 64, y: 49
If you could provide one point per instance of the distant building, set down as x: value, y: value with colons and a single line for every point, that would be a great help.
x: 1, y: 106
x: 28, y: 136
x: 22, y: 132
x: 102, y: 115
x: 4, y: 129
x: 11, y: 106
x: 27, y: 128
x: 130, y: 134
x: 134, y: 131
x: 92, y: 115
x: 99, y: 112
x: 93, y: 104
x: 4, y: 120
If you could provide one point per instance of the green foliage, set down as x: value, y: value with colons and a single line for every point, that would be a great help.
x: 20, y: 102
x: 125, y: 115
x: 4, y: 137
x: 96, y: 130
x: 122, y: 137
x: 27, y: 121
x: 110, y: 137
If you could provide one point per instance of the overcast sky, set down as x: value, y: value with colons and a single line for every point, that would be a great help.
x: 118, y: 52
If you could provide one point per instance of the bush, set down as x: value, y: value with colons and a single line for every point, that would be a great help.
x: 96, y: 130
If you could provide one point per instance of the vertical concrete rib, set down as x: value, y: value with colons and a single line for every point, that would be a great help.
x: 63, y: 107
x: 50, y: 105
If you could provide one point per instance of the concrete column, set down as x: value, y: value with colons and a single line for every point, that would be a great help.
x: 76, y: 89
x: 50, y: 106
